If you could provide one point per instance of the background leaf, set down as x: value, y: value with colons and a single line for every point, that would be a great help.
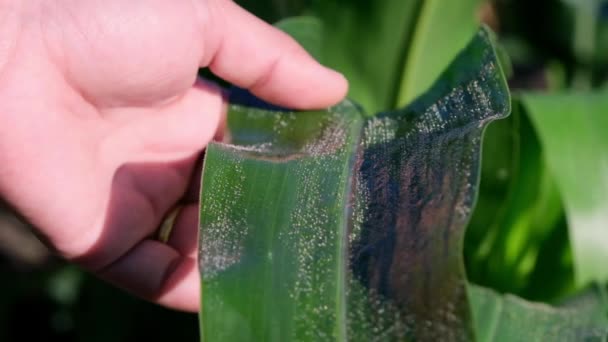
x: 572, y: 130
x: 390, y: 50
x: 387, y: 48
x: 451, y: 23
x: 509, y: 318
x: 517, y: 215
x: 306, y: 30
x: 368, y: 41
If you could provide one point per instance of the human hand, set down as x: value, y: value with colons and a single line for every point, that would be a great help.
x: 103, y: 121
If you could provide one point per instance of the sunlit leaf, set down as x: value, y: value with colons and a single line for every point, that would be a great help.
x: 391, y: 51
x: 572, y: 129
x: 518, y: 211
x: 368, y: 41
x: 443, y: 29
x: 306, y: 30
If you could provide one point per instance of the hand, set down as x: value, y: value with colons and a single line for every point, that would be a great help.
x: 103, y: 121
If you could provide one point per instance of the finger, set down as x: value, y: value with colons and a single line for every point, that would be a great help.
x: 183, y: 126
x: 141, y: 195
x: 163, y: 273
x: 157, y: 272
x: 254, y: 55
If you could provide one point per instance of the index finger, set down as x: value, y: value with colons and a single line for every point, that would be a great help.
x: 253, y: 55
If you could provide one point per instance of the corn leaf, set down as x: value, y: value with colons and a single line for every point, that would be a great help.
x: 387, y: 49
x: 331, y: 225
x: 368, y: 41
x: 518, y: 214
x: 510, y: 318
x: 572, y: 130
x: 450, y: 22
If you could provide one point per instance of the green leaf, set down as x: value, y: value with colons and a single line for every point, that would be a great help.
x: 421, y: 171
x: 391, y: 51
x: 518, y: 211
x: 305, y: 30
x: 572, y: 129
x: 328, y: 225
x: 368, y: 41
x: 510, y: 318
x: 273, y: 225
x: 443, y: 29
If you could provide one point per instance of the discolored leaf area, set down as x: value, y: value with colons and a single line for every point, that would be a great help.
x: 273, y: 225
x: 417, y: 184
x: 335, y: 226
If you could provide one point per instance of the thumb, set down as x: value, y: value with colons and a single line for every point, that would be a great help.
x: 251, y: 54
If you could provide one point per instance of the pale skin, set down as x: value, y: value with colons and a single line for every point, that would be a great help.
x: 103, y: 120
